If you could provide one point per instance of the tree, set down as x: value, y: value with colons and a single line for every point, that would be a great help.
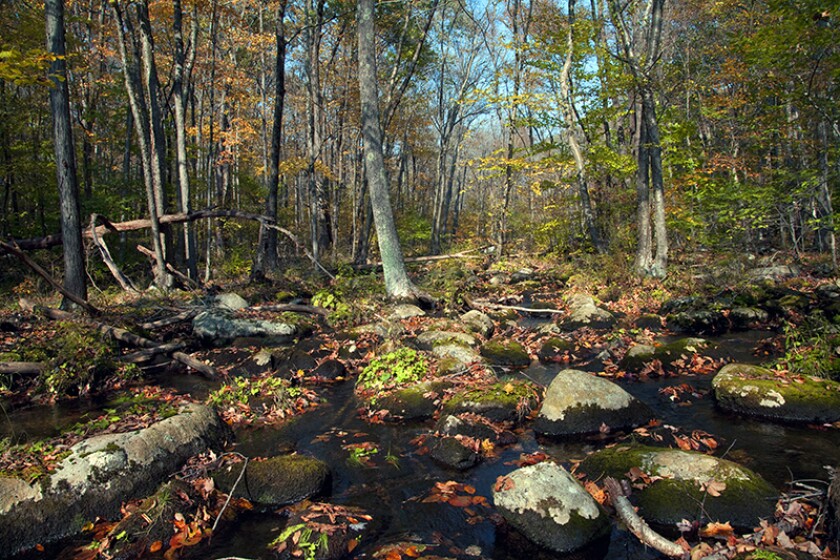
x: 65, y: 155
x: 398, y: 286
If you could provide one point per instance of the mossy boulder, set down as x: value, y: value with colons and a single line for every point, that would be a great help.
x: 431, y: 339
x: 555, y: 348
x: 678, y: 485
x: 756, y: 391
x: 417, y: 402
x: 277, y: 481
x: 577, y: 402
x: 451, y: 453
x: 550, y: 507
x: 701, y: 321
x: 505, y: 353
x: 406, y: 311
x: 638, y: 356
x: 650, y: 321
x: 743, y: 318
x: 584, y: 313
x: 478, y: 322
x: 509, y: 401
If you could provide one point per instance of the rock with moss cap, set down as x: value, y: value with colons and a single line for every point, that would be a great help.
x: 555, y: 348
x: 429, y: 340
x: 756, y: 391
x: 584, y: 313
x: 638, y: 356
x: 509, y: 401
x: 684, y: 484
x: 505, y: 353
x: 478, y: 322
x: 276, y: 481
x: 406, y: 311
x: 417, y: 402
x: 577, y: 402
x: 550, y: 507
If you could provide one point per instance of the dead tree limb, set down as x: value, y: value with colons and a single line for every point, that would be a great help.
x: 166, y: 321
x: 481, y: 305
x: 84, y: 304
x: 431, y: 258
x: 207, y: 371
x: 148, y: 354
x: 21, y: 368
x: 186, y: 280
x: 294, y: 307
x: 123, y: 280
x: 638, y: 526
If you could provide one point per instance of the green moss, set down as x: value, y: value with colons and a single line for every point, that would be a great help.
x: 449, y: 365
x: 499, y: 402
x: 506, y: 353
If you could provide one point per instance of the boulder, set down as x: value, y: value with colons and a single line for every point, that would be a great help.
x: 406, y: 311
x: 417, y: 402
x: 505, y: 353
x: 641, y: 354
x: 100, y: 474
x: 701, y: 321
x: 773, y: 273
x: 688, y: 485
x: 276, y: 481
x: 744, y: 318
x: 577, y: 402
x: 584, y: 313
x: 637, y: 357
x: 550, y: 507
x: 508, y: 401
x: 555, y: 349
x: 756, y: 391
x: 476, y: 427
x: 650, y: 321
x: 330, y: 369
x: 478, y: 322
x: 522, y: 275
x: 219, y: 327
x: 230, y: 301
x: 430, y: 339
x: 449, y: 452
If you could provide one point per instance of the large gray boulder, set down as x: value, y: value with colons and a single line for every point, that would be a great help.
x: 219, y: 327
x: 577, y: 402
x: 478, y: 322
x: 774, y: 273
x: 230, y: 301
x: 756, y: 391
x: 584, y: 313
x: 100, y: 474
x: 277, y: 481
x: 550, y: 507
x: 677, y: 485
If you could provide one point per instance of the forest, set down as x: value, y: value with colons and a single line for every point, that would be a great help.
x: 419, y: 279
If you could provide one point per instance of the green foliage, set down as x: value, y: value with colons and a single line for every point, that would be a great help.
x: 414, y: 230
x: 810, y: 351
x: 77, y: 357
x: 306, y: 545
x: 395, y: 368
x: 242, y: 389
x: 359, y: 454
x: 339, y: 311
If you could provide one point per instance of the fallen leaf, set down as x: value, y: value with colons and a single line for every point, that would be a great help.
x: 155, y: 546
x: 714, y: 488
x: 716, y: 529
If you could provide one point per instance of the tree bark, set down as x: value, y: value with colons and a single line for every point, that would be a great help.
x: 398, y: 286
x: 65, y: 156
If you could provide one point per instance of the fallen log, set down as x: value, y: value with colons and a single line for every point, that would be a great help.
x: 430, y: 258
x: 123, y: 280
x: 142, y: 356
x: 14, y: 250
x: 638, y: 526
x: 204, y: 369
x: 21, y: 368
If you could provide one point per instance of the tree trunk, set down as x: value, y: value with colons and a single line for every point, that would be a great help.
x: 397, y: 284
x: 65, y: 156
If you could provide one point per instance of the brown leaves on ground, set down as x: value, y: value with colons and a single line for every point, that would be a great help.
x: 459, y: 495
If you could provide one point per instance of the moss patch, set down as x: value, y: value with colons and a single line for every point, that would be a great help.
x: 506, y: 353
x: 501, y: 402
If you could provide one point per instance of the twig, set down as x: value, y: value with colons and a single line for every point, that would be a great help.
x: 230, y: 495
x: 638, y: 526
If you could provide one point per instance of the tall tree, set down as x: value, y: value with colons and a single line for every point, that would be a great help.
x: 398, y: 285
x: 65, y: 155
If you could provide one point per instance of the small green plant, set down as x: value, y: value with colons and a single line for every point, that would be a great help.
x: 305, y: 543
x: 395, y: 368
x: 359, y: 455
x: 809, y: 351
x: 763, y: 555
x: 393, y: 460
x: 339, y: 311
x: 242, y: 389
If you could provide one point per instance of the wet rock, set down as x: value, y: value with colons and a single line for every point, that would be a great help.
x: 703, y: 321
x: 100, y: 474
x: 431, y: 339
x: 745, y: 318
x: 584, y: 313
x: 550, y: 507
x: 522, y: 275
x: 230, y: 301
x: 406, y: 311
x: 680, y: 305
x: 577, y: 402
x: 449, y: 452
x: 414, y: 403
x: 743, y: 498
x: 330, y: 369
x: 554, y: 348
x: 650, y: 321
x: 277, y: 481
x: 508, y: 401
x: 756, y: 391
x: 505, y: 353
x: 638, y: 356
x: 478, y: 322
x: 774, y: 273
x: 476, y: 427
x: 320, y: 531
x: 219, y: 327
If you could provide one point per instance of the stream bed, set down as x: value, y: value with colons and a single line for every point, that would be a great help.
x: 393, y: 482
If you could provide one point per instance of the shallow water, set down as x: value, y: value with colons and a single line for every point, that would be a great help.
x: 393, y: 491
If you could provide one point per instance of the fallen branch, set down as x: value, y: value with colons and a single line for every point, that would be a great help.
x: 84, y: 304
x: 148, y: 354
x: 123, y: 280
x: 166, y: 321
x: 186, y: 280
x: 206, y: 370
x: 431, y: 258
x: 638, y: 526
x: 480, y: 305
x: 21, y: 368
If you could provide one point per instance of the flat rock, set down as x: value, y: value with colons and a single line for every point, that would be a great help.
x: 584, y: 313
x: 505, y: 353
x: 680, y: 493
x: 416, y: 402
x: 430, y: 339
x: 230, y: 301
x: 550, y: 507
x: 277, y: 481
x: 698, y: 322
x: 577, y: 402
x: 100, y: 474
x: 500, y: 402
x: 774, y: 273
x: 406, y: 311
x: 756, y: 391
x: 219, y: 327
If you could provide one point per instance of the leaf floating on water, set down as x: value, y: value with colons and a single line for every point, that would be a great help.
x: 716, y: 529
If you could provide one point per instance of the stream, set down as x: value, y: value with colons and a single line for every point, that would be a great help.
x: 399, y: 477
